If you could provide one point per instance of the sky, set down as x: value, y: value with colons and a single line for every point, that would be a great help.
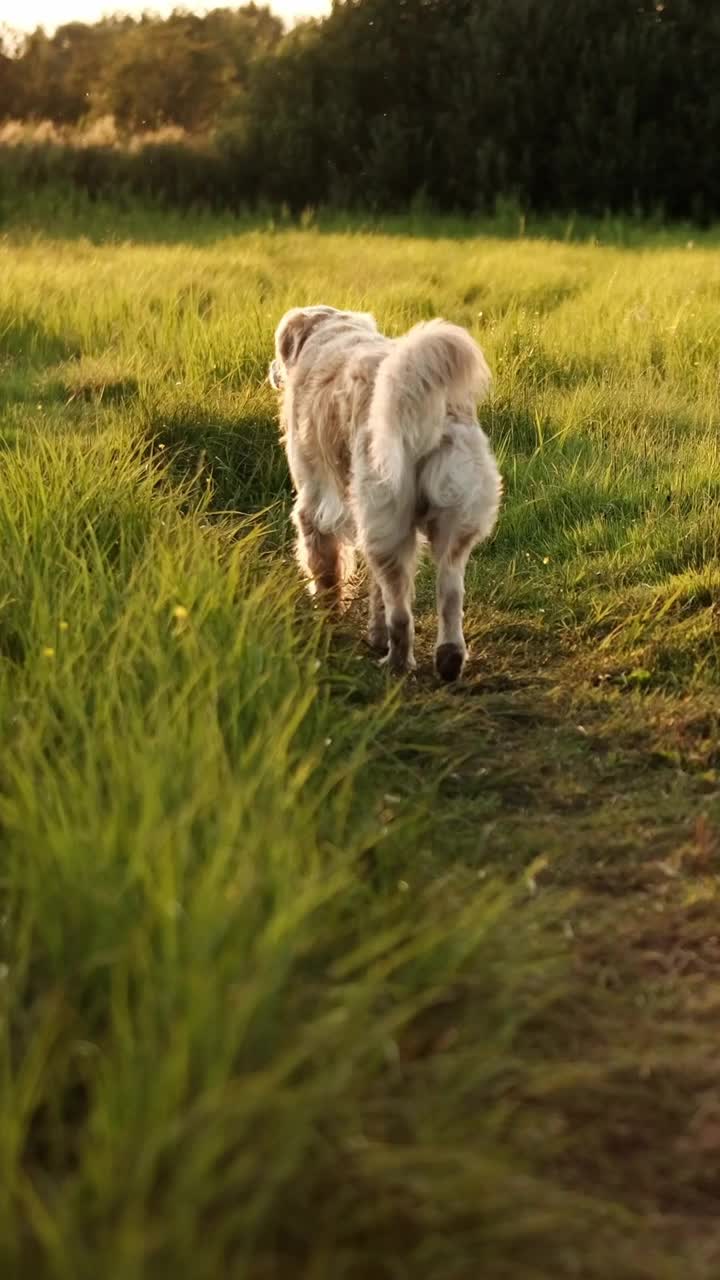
x: 25, y: 15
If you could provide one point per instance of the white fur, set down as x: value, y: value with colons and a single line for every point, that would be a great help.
x: 434, y: 366
x: 384, y: 444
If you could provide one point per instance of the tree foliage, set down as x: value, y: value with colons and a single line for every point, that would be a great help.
x: 587, y: 104
x: 148, y: 72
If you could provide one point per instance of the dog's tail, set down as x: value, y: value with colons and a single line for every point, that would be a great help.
x: 436, y: 367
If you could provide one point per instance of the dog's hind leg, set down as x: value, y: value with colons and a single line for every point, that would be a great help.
x: 394, y: 570
x: 377, y: 624
x: 450, y: 553
x: 388, y: 539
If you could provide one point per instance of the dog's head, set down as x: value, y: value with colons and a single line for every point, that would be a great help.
x: 300, y: 324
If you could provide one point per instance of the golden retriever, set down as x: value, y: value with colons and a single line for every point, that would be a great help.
x: 385, y: 448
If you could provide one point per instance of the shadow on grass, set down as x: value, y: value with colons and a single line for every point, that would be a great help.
x: 29, y: 387
x: 25, y: 337
x: 236, y: 456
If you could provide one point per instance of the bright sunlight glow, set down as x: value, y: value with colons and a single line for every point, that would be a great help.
x: 25, y: 15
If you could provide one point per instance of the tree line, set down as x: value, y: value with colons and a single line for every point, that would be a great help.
x: 590, y: 105
x: 184, y: 70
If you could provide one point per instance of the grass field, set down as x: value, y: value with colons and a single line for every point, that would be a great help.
x: 302, y: 973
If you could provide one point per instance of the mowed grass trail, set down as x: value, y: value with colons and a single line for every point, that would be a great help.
x: 304, y: 973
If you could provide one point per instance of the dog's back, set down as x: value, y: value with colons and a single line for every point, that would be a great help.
x: 404, y: 392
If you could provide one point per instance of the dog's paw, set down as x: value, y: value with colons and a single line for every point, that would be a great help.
x: 398, y: 665
x: 449, y: 662
x: 378, y: 639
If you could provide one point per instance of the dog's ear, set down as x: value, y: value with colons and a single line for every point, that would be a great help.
x: 295, y: 328
x: 290, y: 339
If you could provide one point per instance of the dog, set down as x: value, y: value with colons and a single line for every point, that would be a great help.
x: 385, y: 449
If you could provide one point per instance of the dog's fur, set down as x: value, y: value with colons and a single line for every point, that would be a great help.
x: 384, y: 446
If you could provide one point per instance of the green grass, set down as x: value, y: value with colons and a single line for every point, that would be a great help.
x: 302, y: 973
